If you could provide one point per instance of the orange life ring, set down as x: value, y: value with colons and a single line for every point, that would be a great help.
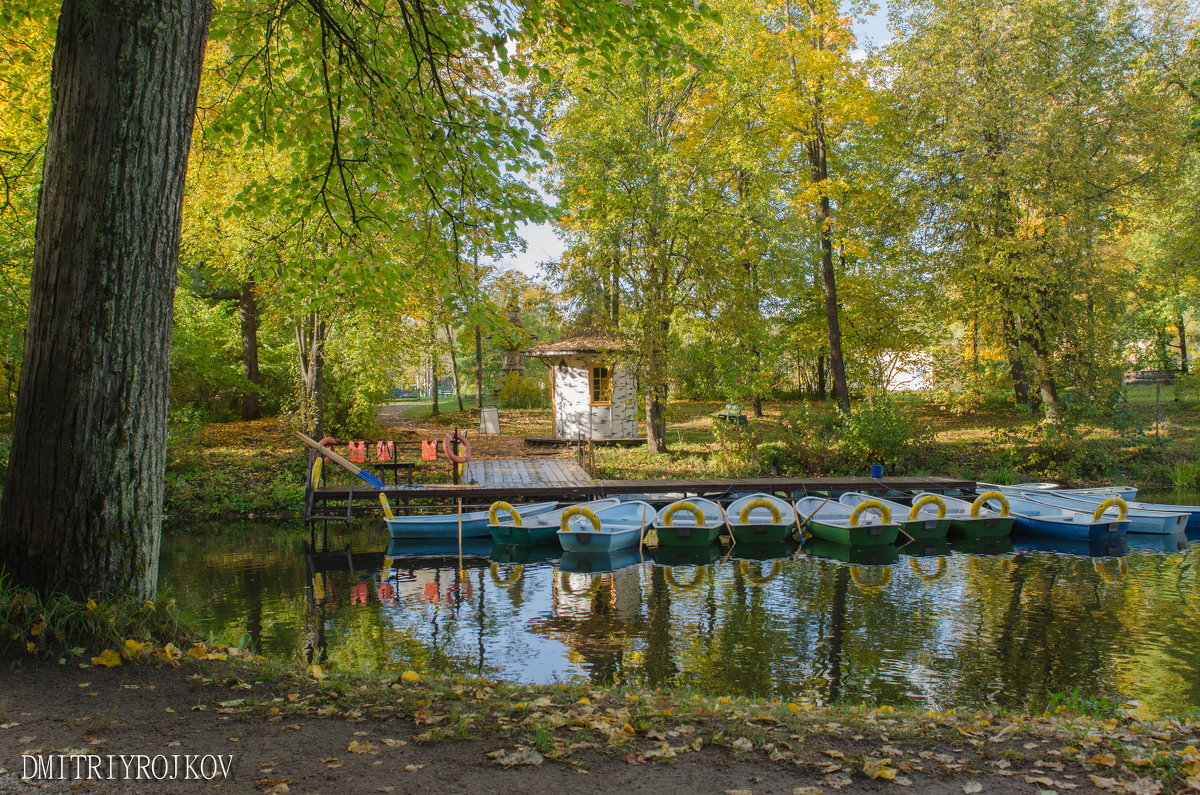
x: 448, y: 450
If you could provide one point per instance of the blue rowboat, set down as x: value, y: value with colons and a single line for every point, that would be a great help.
x: 445, y: 525
x: 617, y: 527
x: 1045, y: 520
x: 1192, y: 511
x: 537, y: 529
x: 1141, y: 520
x: 1124, y: 492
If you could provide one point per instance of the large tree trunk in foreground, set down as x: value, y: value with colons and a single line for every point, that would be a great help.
x: 82, y: 505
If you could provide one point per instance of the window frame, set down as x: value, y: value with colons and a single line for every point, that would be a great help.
x: 592, y: 383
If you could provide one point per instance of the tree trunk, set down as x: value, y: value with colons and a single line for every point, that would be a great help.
x: 478, y: 369
x: 820, y: 175
x: 83, y: 496
x: 248, y: 312
x: 1016, y: 365
x: 821, y: 393
x: 454, y: 367
x: 1047, y: 389
x: 656, y: 424
x: 311, y: 332
x: 1183, y: 351
x: 433, y: 369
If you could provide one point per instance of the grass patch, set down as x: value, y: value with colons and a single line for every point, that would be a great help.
x: 61, y: 626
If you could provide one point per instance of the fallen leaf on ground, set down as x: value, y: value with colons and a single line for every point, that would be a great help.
x: 880, y: 769
x: 521, y: 756
x: 362, y: 747
x: 972, y: 787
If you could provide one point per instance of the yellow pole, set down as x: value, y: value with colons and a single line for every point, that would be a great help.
x: 460, y: 563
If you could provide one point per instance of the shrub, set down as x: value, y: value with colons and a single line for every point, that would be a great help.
x: 877, y: 431
x: 518, y: 392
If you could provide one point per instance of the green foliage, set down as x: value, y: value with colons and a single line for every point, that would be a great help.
x: 518, y: 392
x: 1075, y: 703
x: 737, y: 453
x: 878, y: 431
x: 53, y: 625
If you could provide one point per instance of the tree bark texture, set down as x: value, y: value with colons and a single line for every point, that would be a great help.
x: 819, y: 163
x: 83, y: 497
x: 311, y: 334
x: 1183, y: 343
x: 248, y: 313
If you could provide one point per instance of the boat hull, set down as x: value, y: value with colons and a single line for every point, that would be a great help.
x: 981, y: 527
x: 687, y: 536
x: 599, y: 542
x: 511, y: 534
x: 922, y: 529
x: 1071, y: 531
x: 870, y: 535
x: 761, y: 533
x: 435, y: 526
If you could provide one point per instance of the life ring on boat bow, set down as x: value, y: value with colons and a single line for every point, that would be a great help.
x: 578, y: 510
x: 928, y: 499
x: 1121, y: 506
x: 500, y: 505
x: 989, y: 495
x: 776, y: 516
x: 866, y: 505
x: 689, y: 507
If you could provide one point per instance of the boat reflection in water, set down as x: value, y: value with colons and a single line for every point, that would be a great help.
x: 876, y: 555
x: 1093, y: 548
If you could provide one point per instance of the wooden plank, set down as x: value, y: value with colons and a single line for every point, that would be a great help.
x: 583, y: 487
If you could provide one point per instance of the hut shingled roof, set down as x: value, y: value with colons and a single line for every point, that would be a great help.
x: 587, y: 343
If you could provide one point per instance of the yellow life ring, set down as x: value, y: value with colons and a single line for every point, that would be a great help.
x: 511, y: 580
x: 500, y: 505
x: 867, y: 505
x: 753, y: 579
x: 928, y: 499
x: 874, y: 588
x: 564, y: 581
x: 387, y: 506
x: 776, y: 516
x: 989, y: 495
x: 699, y: 575
x: 690, y: 507
x: 1104, y: 572
x: 938, y: 571
x: 578, y: 510
x: 1121, y: 505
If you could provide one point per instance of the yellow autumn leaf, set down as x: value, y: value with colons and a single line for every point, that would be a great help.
x: 108, y: 658
x: 317, y: 672
x: 1106, y: 759
x: 410, y: 676
x: 361, y: 747
x: 91, y: 604
x: 133, y: 647
x: 198, y: 651
x: 168, y: 652
x: 37, y: 629
x: 879, y: 769
x: 30, y: 646
x: 793, y: 707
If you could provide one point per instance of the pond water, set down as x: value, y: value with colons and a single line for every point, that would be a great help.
x: 1008, y: 624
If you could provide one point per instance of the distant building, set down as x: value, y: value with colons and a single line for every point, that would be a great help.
x: 593, y: 389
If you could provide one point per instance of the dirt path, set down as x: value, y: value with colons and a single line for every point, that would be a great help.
x: 150, y: 711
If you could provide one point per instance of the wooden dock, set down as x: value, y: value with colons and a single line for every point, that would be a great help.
x: 564, y: 479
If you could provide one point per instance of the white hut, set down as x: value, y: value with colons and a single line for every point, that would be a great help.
x: 593, y: 391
